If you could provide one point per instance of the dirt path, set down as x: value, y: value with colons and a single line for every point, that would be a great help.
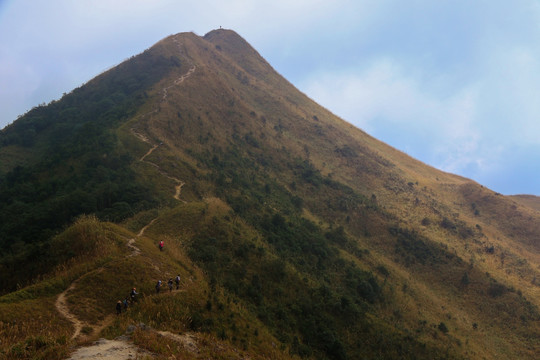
x: 63, y: 309
x: 61, y: 302
x: 178, y: 81
x: 179, y: 183
x: 178, y: 189
x: 118, y: 349
x: 149, y: 152
x: 121, y: 348
x: 134, y: 250
x: 141, y: 233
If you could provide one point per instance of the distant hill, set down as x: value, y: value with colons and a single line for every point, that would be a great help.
x: 296, y: 235
x: 528, y: 200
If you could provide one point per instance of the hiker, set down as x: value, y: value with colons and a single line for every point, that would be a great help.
x: 118, y: 307
x: 125, y: 302
x: 158, y: 286
x: 161, y: 245
x: 133, y: 295
x: 170, y: 282
x: 177, y: 281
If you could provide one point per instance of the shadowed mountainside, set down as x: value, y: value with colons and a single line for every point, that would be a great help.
x: 297, y: 234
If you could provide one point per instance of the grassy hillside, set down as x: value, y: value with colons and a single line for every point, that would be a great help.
x: 529, y: 200
x: 71, y: 163
x: 296, y: 234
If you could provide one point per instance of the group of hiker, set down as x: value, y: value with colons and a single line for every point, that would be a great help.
x: 122, y: 305
x: 169, y: 284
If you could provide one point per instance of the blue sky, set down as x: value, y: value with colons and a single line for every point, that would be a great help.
x: 455, y: 84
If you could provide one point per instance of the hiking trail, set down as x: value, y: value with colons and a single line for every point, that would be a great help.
x: 117, y: 349
x: 144, y: 138
x: 63, y: 309
x: 122, y: 348
x: 61, y: 302
x: 179, y: 183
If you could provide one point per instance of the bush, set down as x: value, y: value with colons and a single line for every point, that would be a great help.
x: 448, y: 224
x: 442, y: 327
x: 496, y: 290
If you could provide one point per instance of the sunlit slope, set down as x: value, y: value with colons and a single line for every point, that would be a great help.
x: 294, y: 227
x: 234, y: 100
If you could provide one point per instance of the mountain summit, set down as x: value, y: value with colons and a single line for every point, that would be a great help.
x: 295, y: 234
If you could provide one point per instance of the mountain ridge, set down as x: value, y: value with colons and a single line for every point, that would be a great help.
x: 362, y: 249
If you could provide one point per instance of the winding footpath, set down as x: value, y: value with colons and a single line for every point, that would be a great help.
x: 179, y: 183
x: 61, y: 301
x: 120, y: 348
x: 144, y: 138
x: 63, y: 309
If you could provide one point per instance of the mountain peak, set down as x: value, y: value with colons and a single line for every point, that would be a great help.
x: 237, y: 48
x: 288, y: 225
x: 223, y: 35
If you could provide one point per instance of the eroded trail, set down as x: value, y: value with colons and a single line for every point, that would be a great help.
x: 63, y: 309
x: 141, y: 233
x: 61, y: 302
x: 178, y: 189
x: 149, y: 152
x: 179, y: 183
x: 118, y: 349
x: 177, y: 82
x: 154, y: 146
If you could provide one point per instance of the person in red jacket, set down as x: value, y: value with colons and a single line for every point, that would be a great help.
x: 161, y: 245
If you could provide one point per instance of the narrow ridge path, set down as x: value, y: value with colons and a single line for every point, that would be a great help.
x: 144, y: 138
x: 63, y: 309
x: 61, y: 303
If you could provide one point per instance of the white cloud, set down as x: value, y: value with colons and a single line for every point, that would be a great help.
x: 398, y: 109
x: 511, y: 89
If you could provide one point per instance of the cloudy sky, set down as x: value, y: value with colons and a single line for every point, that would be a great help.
x: 455, y: 84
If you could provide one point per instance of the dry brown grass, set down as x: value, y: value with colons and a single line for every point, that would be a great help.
x: 234, y: 95
x: 217, y: 104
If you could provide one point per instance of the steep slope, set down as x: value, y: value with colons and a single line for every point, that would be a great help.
x: 293, y: 226
x: 70, y: 163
